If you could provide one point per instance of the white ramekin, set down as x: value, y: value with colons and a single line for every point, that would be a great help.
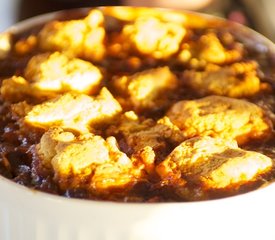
x: 26, y: 214
x: 32, y: 215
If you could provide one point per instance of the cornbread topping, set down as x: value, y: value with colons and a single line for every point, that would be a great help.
x: 139, y: 105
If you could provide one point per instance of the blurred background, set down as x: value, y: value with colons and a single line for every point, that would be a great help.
x: 257, y: 14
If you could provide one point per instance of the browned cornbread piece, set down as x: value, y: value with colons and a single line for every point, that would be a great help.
x: 214, y: 163
x: 80, y: 38
x: 47, y: 75
x: 58, y: 73
x: 147, y: 89
x: 209, y: 49
x: 86, y: 161
x: 75, y: 111
x: 219, y: 116
x: 17, y: 88
x: 237, y: 80
x: 154, y: 37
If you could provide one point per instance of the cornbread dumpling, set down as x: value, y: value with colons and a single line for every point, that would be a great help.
x: 80, y: 38
x: 214, y: 163
x: 209, y: 49
x: 47, y: 75
x: 16, y: 89
x: 154, y: 37
x: 87, y: 161
x: 219, y: 116
x: 75, y: 111
x: 147, y: 89
x: 46, y: 149
x: 57, y: 73
x: 237, y: 80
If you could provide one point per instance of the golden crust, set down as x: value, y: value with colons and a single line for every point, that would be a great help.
x: 75, y: 111
x: 80, y: 38
x: 220, y: 116
x: 16, y: 89
x: 154, y: 37
x: 209, y: 49
x: 86, y: 161
x: 214, y: 163
x: 237, y: 80
x: 55, y: 72
x: 47, y: 147
x: 49, y: 74
x: 146, y: 89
